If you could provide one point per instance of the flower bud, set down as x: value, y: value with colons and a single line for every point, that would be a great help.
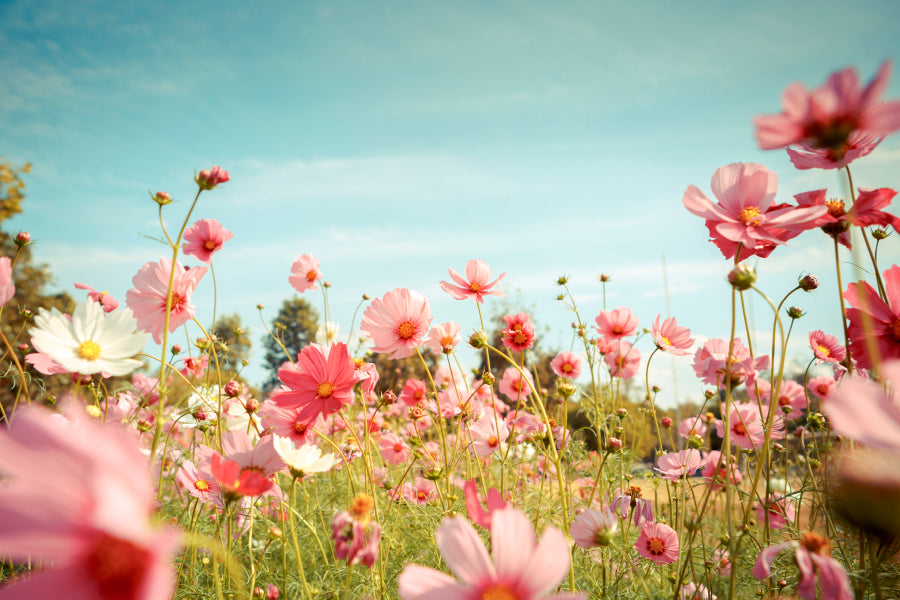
x: 695, y: 442
x: 613, y: 444
x: 176, y: 349
x: 795, y: 312
x: 621, y: 412
x: 388, y: 397
x: 23, y: 238
x: 808, y: 283
x: 562, y: 280
x: 478, y: 340
x: 161, y: 198
x: 666, y: 422
x: 233, y: 389
x: 604, y: 277
x: 488, y: 378
x: 742, y: 277
x: 251, y: 405
x: 275, y: 532
x: 23, y: 347
x: 209, y: 179
x: 880, y: 234
x: 260, y: 306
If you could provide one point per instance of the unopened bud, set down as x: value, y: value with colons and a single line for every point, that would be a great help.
x: 621, y: 412
x: 23, y: 347
x: 23, y: 238
x: 562, y: 280
x: 666, y: 422
x: 388, y: 397
x: 478, y: 340
x: 260, y: 306
x: 742, y: 277
x: 367, y: 297
x: 560, y: 297
x: 795, y: 312
x: 604, y: 277
x: 655, y: 389
x: 808, y: 283
x: 488, y: 378
x: 613, y: 444
x: 879, y: 234
x: 251, y: 405
x: 176, y: 349
x: 161, y: 198
x: 275, y: 532
x: 26, y: 313
x: 695, y: 442
x: 203, y: 343
x: 233, y: 389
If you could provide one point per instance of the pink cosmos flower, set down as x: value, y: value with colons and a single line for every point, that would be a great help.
x: 616, y: 324
x: 7, y: 287
x: 235, y: 481
x: 514, y: 386
x: 834, y: 123
x: 821, y: 386
x: 780, y: 509
x: 747, y: 426
x: 413, y: 392
x: 676, y: 465
x: 862, y: 410
x: 624, y: 361
x: 566, y: 364
x: 517, y: 321
x: 487, y: 436
x: 722, y: 562
x: 711, y: 359
x: 210, y: 178
x: 204, y: 238
x: 658, y: 542
x: 108, y: 303
x: 630, y: 501
x: 356, y: 536
x: 420, y: 491
x: 397, y: 323
x: 476, y: 512
x: 826, y: 347
x: 43, y: 364
x: 745, y: 192
x: 443, y: 338
x: 393, y: 450
x: 93, y: 534
x: 812, y: 557
x: 305, y: 273
x: 195, y: 367
x: 199, y: 484
x: 866, y: 211
x: 671, y: 338
x: 884, y: 319
x: 366, y: 374
x: 716, y: 471
x: 476, y: 285
x: 147, y: 299
x: 319, y: 384
x: 519, y: 339
x: 594, y: 528
x: 523, y: 568
x: 692, y: 426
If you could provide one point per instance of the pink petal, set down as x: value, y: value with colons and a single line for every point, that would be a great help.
x: 421, y: 583
x: 549, y: 563
x: 464, y: 552
x: 512, y: 543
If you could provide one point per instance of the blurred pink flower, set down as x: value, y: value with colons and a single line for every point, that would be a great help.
x: 616, y: 324
x: 7, y: 287
x: 413, y: 392
x: 631, y: 501
x: 523, y: 568
x: 623, y: 361
x: 866, y: 211
x: 594, y: 528
x: 677, y: 465
x: 394, y: 451
x: 204, y: 238
x: 812, y: 557
x: 443, y: 338
x: 147, y: 299
x: 94, y: 533
x: 711, y: 358
x: 476, y: 285
x: 715, y: 471
x: 476, y: 512
x: 305, y: 273
x: 236, y: 481
x: 210, y: 178
x: 692, y: 426
x: 884, y: 319
x: 821, y: 386
x: 397, y: 323
x: 319, y: 384
x: 356, y: 536
x: 514, y: 386
x: 108, y: 303
x: 658, y: 542
x: 864, y: 411
x: 780, y: 509
x: 487, y: 435
x: 671, y: 338
x: 566, y: 364
x: 834, y: 123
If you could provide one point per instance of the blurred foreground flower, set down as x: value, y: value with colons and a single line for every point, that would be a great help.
x: 812, y: 555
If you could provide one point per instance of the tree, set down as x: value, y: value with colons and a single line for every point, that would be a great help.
x: 293, y: 328
x: 234, y: 344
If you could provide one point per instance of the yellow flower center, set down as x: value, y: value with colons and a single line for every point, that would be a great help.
x: 835, y: 207
x: 750, y: 216
x: 311, y: 275
x: 493, y: 441
x: 406, y: 330
x: 475, y: 287
x: 201, y: 485
x: 209, y: 245
x: 325, y: 389
x: 824, y: 351
x: 665, y: 341
x: 567, y: 368
x: 446, y: 341
x: 498, y: 592
x: 89, y: 350
x: 656, y: 546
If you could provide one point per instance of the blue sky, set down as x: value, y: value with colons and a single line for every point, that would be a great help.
x: 393, y: 140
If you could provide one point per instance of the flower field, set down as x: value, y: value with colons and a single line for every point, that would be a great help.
x: 376, y: 466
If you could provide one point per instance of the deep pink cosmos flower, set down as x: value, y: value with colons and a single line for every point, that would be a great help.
x: 236, y: 481
x: 716, y: 471
x: 287, y: 422
x: 443, y: 338
x: 207, y: 179
x: 671, y: 338
x: 812, y: 557
x: 7, y: 287
x: 624, y: 361
x: 204, y: 238
x: 305, y: 273
x: 397, y: 323
x: 199, y: 484
x: 658, y: 542
x: 476, y: 285
x: 523, y: 568
x: 108, y: 303
x: 884, y: 319
x: 826, y: 347
x: 834, y: 123
x: 865, y: 212
x: 566, y: 364
x: 147, y: 300
x: 616, y: 324
x: 519, y: 339
x: 676, y: 465
x: 93, y: 534
x: 413, y: 392
x: 476, y: 512
x: 320, y: 383
x: 742, y: 216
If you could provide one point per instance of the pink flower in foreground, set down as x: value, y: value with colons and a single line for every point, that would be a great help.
x: 93, y: 534
x: 204, y: 238
x: 832, y: 122
x: 658, y: 542
x: 108, y: 303
x: 476, y: 285
x: 320, y: 383
x: 826, y: 347
x: 397, y: 323
x: 742, y: 216
x: 865, y: 212
x: 476, y: 512
x: 594, y: 528
x: 147, y: 300
x: 443, y: 338
x: 523, y: 568
x: 812, y: 557
x: 616, y: 324
x: 566, y: 364
x: 884, y: 328
x: 210, y: 178
x: 862, y: 410
x: 305, y: 273
x: 671, y: 338
x: 676, y: 465
x: 7, y: 287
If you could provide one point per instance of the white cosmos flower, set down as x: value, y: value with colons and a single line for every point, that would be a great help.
x: 303, y: 460
x: 91, y: 341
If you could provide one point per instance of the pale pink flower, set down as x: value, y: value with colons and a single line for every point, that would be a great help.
x: 443, y: 338
x: 320, y: 383
x: 420, y: 491
x: 716, y: 471
x: 747, y: 426
x: 658, y: 542
x: 147, y: 299
x: 721, y: 562
x: 594, y: 528
x: 864, y: 411
x: 866, y: 211
x: 7, y: 287
x: 366, y: 374
x: 94, y: 534
x: 199, y: 484
x: 210, y: 178
x: 671, y: 338
x: 305, y: 273
x: 780, y: 509
x: 826, y: 347
x: 692, y: 426
x: 676, y: 465
x: 821, y: 386
x: 710, y: 362
x: 624, y: 361
x: 695, y: 591
x: 393, y: 450
x: 487, y: 436
x: 413, y: 392
x: 476, y: 512
x: 397, y: 323
x: 204, y: 238
x: 476, y: 285
x: 616, y: 324
x: 883, y: 327
x: 44, y: 364
x: 566, y: 364
x: 811, y: 555
x: 606, y: 345
x: 827, y: 123
x: 108, y: 303
x: 514, y: 386
x: 523, y: 568
x: 194, y: 368
x: 745, y: 192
